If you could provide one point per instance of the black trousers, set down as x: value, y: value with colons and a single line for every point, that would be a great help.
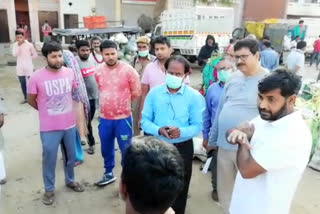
x: 91, y: 140
x: 186, y: 151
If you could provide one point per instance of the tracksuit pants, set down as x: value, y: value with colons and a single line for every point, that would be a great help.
x: 109, y: 130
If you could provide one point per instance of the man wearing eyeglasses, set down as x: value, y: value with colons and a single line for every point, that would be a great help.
x: 237, y: 105
x: 172, y: 112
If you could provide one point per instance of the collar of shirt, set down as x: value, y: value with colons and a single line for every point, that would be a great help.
x: 180, y: 91
x: 284, y: 121
x: 299, y: 51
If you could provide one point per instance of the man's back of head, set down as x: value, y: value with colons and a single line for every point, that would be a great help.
x: 301, y: 45
x: 152, y: 176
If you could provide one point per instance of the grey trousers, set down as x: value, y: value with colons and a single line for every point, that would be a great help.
x: 227, y: 172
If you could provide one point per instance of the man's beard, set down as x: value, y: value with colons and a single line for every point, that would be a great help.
x: 84, y: 58
x: 54, y: 66
x: 273, y: 116
x: 112, y: 64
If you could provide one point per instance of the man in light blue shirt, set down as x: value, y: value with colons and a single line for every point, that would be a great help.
x: 269, y: 58
x: 173, y: 113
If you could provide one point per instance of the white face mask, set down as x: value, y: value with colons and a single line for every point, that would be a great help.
x: 143, y: 53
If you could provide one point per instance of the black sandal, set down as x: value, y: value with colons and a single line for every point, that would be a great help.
x: 75, y: 187
x: 48, y: 198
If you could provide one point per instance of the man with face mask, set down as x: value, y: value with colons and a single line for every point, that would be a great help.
x: 118, y: 84
x: 296, y: 59
x: 154, y: 73
x: 173, y: 113
x: 236, y: 105
x: 225, y: 69
x: 50, y: 93
x: 273, y: 150
x: 88, y: 69
x: 139, y: 63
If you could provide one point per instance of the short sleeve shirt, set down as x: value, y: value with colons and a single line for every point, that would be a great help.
x: 54, y: 98
x: 282, y: 148
x: 296, y: 58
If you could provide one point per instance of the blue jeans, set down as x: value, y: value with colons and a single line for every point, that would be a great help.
x: 23, y: 84
x: 78, y: 147
x: 50, y: 144
x: 108, y: 131
x: 315, y: 57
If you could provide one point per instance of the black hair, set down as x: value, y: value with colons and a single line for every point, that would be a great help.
x: 231, y: 41
x: 266, y: 37
x: 72, y: 48
x: 153, y: 174
x: 301, y: 21
x: 81, y: 43
x: 297, y: 37
x: 161, y: 40
x: 19, y: 32
x: 288, y: 82
x: 267, y: 44
x: 251, y: 44
x: 301, y: 45
x: 49, y: 47
x: 180, y: 59
x: 210, y: 37
x: 108, y: 44
x: 94, y: 39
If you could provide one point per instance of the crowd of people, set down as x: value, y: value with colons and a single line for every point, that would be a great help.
x: 259, y: 142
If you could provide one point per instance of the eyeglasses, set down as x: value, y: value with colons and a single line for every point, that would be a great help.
x: 242, y: 57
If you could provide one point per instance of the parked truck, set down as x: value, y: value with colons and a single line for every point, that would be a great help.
x: 188, y: 28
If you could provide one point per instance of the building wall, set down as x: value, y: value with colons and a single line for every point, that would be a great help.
x: 80, y: 7
x: 131, y: 12
x: 115, y: 13
x: 107, y: 10
x: 303, y: 9
x: 258, y: 10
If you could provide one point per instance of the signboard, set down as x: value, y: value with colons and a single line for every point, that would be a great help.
x: 139, y: 1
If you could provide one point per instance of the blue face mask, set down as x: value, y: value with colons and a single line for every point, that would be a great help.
x: 224, y: 75
x: 173, y: 82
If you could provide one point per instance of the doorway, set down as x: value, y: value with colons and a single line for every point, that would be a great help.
x: 22, y: 17
x: 51, y: 17
x: 70, y: 21
x: 4, y: 30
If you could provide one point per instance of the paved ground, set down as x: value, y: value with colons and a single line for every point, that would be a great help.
x: 22, y: 193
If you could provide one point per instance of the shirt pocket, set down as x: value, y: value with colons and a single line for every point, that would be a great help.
x: 181, y: 113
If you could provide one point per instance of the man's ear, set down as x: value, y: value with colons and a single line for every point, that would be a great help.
x: 123, y: 191
x: 258, y: 55
x: 171, y: 51
x: 292, y: 99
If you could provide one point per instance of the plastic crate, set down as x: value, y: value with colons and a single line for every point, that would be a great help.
x: 94, y: 22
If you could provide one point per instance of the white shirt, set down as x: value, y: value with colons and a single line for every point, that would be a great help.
x: 296, y: 58
x: 98, y: 57
x: 282, y: 148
